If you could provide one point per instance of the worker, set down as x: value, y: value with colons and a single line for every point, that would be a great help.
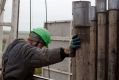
x: 23, y: 56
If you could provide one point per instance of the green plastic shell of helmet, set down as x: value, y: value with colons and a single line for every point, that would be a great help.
x: 44, y: 34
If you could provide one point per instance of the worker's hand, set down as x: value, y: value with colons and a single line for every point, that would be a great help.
x: 75, y: 44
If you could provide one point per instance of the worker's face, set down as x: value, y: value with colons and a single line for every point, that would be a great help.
x: 38, y: 44
x: 35, y: 41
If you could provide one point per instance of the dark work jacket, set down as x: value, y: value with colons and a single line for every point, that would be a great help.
x: 21, y: 58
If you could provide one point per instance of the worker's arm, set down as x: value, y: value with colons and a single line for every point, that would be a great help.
x: 45, y: 57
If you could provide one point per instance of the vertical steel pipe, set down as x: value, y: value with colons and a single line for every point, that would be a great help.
x: 81, y: 13
x: 1, y: 38
x: 92, y: 13
x: 81, y: 27
x: 102, y: 46
x: 101, y: 39
x: 93, y: 55
x: 101, y: 5
x: 113, y: 6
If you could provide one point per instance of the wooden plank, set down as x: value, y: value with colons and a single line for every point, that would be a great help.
x: 5, y: 24
x: 58, y: 71
x: 61, y: 38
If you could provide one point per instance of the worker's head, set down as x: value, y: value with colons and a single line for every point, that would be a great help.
x: 39, y: 37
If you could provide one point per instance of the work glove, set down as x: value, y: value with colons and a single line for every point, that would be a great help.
x: 74, y: 45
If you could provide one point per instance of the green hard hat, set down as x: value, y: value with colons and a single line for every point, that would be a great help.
x: 44, y: 34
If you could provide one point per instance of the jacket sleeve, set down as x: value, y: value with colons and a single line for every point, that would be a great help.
x: 45, y: 57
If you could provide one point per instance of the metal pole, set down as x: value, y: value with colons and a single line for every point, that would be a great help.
x: 102, y: 42
x: 30, y: 15
x: 81, y: 27
x: 18, y: 20
x: 93, y: 55
x: 101, y: 5
x: 1, y: 39
x: 14, y: 22
x: 46, y: 16
x: 15, y: 18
